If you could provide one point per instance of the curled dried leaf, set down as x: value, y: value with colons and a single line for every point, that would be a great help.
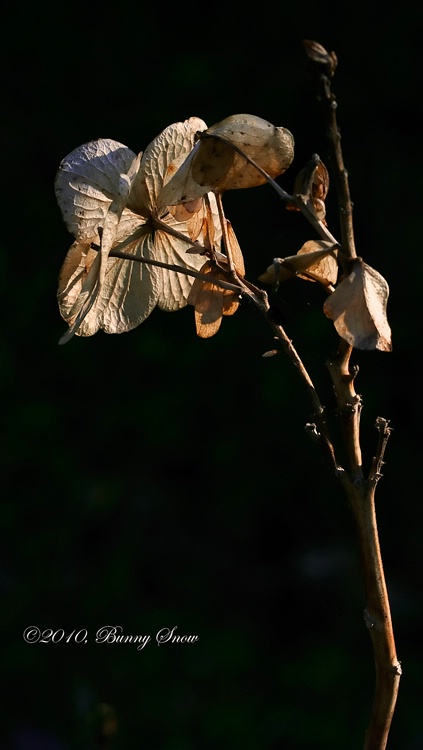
x: 311, y: 259
x: 312, y: 181
x: 358, y: 309
x: 325, y: 267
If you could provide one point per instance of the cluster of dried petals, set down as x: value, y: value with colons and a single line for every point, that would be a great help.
x: 108, y: 197
x: 113, y: 200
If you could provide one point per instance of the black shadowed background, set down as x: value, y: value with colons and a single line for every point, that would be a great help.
x: 154, y: 480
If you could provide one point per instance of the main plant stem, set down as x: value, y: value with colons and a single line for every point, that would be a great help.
x: 360, y: 492
x: 377, y: 616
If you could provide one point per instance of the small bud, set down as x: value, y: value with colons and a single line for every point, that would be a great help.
x: 317, y: 54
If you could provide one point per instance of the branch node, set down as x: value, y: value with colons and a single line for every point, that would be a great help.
x: 382, y: 425
x: 397, y: 669
x: 358, y: 480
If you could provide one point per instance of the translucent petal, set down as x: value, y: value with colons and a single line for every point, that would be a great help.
x: 170, y: 147
x: 88, y: 181
x: 175, y: 287
x: 127, y: 297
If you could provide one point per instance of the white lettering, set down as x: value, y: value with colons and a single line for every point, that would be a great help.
x: 165, y: 634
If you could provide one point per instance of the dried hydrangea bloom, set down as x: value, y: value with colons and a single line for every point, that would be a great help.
x: 108, y: 197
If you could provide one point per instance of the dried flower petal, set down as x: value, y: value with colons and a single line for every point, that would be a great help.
x: 211, y: 301
x: 213, y: 165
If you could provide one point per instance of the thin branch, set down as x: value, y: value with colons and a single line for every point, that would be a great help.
x: 323, y: 67
x: 225, y: 238
x: 156, y: 223
x: 177, y: 269
x: 382, y: 425
x: 317, y: 430
x: 300, y: 201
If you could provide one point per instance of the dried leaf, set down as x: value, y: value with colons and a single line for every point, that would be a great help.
x: 358, y: 309
x: 325, y: 268
x: 311, y: 257
x: 312, y: 182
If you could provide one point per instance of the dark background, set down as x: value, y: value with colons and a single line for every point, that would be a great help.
x: 152, y: 479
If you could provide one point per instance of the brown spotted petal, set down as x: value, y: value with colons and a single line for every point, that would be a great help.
x: 214, y: 165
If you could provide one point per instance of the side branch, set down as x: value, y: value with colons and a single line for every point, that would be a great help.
x: 382, y: 425
x: 318, y: 430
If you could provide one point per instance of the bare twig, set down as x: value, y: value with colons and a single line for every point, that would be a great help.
x: 324, y: 66
x: 178, y: 269
x: 318, y: 429
x: 301, y: 201
x: 226, y: 243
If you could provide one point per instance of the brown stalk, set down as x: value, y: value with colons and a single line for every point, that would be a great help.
x: 360, y: 492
